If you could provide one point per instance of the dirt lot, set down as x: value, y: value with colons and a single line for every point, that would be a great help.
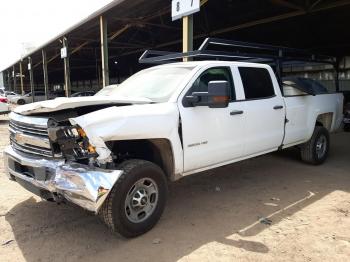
x: 212, y: 216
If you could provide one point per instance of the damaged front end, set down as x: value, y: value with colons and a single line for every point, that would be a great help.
x: 56, y: 161
x: 57, y: 180
x: 71, y: 141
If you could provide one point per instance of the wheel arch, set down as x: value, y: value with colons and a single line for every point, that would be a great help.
x: 158, y: 151
x: 325, y: 120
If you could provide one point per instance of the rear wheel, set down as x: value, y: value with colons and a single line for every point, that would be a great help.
x: 137, y: 200
x: 315, y: 151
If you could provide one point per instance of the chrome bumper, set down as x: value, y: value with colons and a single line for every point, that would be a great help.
x: 80, y: 184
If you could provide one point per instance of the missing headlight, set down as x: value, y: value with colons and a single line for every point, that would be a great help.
x: 72, y: 141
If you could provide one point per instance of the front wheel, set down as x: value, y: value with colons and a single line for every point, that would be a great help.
x: 21, y: 102
x: 137, y: 200
x: 316, y: 150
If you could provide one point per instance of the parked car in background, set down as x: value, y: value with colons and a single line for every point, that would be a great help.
x: 106, y: 91
x: 4, y: 107
x: 84, y: 93
x: 347, y: 117
x: 10, y: 95
x: 27, y: 98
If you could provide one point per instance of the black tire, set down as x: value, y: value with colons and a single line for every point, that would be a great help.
x: 21, y: 102
x: 309, y: 150
x: 114, y: 213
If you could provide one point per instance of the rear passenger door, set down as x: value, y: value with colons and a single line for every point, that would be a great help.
x: 264, y: 111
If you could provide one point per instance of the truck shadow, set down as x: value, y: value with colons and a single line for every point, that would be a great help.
x: 223, y: 206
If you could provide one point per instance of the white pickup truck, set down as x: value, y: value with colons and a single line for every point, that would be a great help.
x: 113, y: 155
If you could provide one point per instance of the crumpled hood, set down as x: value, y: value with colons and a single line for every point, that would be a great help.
x: 62, y: 103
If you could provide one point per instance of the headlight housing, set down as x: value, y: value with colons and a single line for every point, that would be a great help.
x: 72, y: 141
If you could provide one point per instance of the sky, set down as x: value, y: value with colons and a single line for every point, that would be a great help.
x: 34, y: 22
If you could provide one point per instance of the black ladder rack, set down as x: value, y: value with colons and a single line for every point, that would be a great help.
x: 237, y: 51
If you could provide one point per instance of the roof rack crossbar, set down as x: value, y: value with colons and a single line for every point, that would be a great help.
x: 249, y: 52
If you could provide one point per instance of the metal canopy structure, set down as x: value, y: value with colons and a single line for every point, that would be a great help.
x: 125, y: 29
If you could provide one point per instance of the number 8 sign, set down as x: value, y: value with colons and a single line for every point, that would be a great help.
x: 181, y: 8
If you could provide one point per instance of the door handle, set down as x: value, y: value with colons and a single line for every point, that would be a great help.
x: 277, y: 107
x: 236, y: 112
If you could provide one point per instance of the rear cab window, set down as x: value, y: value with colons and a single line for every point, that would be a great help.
x: 257, y: 83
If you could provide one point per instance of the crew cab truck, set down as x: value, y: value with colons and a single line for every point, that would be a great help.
x: 114, y: 155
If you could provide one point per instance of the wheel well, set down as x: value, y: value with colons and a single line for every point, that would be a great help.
x: 158, y: 151
x: 325, y: 120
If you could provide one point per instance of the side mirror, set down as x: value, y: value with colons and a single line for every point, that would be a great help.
x: 218, y: 96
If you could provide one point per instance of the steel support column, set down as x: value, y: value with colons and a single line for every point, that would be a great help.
x: 30, y: 69
x: 14, y: 78
x: 187, y: 35
x: 104, y: 51
x: 337, y: 69
x: 67, y: 85
x: 21, y: 76
x: 46, y: 79
x: 8, y: 80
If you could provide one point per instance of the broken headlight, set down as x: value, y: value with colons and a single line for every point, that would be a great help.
x: 72, y: 141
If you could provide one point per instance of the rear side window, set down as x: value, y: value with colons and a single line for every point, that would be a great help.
x: 257, y: 82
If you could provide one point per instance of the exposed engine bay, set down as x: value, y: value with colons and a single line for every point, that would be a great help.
x: 71, y: 141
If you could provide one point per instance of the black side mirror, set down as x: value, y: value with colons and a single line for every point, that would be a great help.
x: 218, y: 96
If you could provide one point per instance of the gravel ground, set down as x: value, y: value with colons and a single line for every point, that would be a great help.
x: 212, y: 216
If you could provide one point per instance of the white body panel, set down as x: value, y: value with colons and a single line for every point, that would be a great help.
x: 62, y: 103
x: 302, y: 113
x: 133, y: 122
x: 209, y: 135
x: 263, y: 125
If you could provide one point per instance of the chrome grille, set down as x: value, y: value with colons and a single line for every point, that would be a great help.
x: 28, y: 129
x: 29, y: 135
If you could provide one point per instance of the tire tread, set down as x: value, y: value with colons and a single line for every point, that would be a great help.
x: 106, y: 211
x: 307, y: 150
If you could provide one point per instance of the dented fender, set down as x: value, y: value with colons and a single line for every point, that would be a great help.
x: 147, y: 121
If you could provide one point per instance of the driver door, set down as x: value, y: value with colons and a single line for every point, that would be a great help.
x: 211, y: 136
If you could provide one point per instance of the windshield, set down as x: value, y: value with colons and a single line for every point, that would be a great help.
x: 156, y: 84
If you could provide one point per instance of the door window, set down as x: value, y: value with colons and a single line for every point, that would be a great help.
x: 257, y: 83
x: 213, y: 74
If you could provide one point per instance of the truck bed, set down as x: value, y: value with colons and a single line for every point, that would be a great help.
x: 303, y: 110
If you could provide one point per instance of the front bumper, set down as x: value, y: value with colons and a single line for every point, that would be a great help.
x: 80, y: 184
